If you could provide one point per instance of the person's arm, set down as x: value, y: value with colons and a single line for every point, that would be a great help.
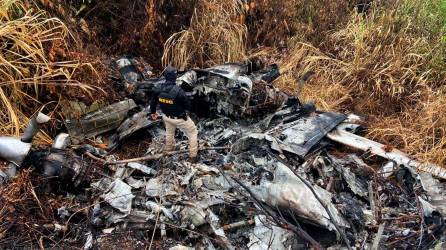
x: 185, y: 100
x: 153, y: 103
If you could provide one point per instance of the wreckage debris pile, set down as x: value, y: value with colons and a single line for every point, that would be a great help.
x: 279, y: 181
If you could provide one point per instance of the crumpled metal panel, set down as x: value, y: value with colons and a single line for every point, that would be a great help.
x: 225, y: 87
x: 229, y: 70
x: 265, y: 236
x: 130, y: 126
x: 232, y: 90
x: 119, y: 195
x: 190, y: 77
x: 226, y: 96
x: 343, y: 135
x: 128, y: 70
x: 100, y: 121
x: 297, y: 137
x: 300, y: 136
x: 289, y: 192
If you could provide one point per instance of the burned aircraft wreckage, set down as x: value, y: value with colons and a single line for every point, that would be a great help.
x: 272, y: 173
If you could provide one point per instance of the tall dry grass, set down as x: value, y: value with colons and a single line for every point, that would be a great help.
x: 271, y: 23
x: 27, y: 68
x: 387, y: 65
x: 420, y: 130
x: 213, y: 36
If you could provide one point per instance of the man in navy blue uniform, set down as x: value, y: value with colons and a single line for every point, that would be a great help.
x: 174, y: 103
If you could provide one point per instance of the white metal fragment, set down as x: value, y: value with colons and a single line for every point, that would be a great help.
x: 89, y: 242
x: 193, y: 214
x: 181, y: 247
x: 289, y: 192
x: 435, y: 190
x: 157, y: 208
x: 376, y: 148
x: 186, y: 179
x: 119, y: 196
x: 428, y: 209
x: 267, y: 236
x: 388, y: 169
x: 214, y: 222
x: 108, y: 230
x: 134, y: 183
x: 153, y: 188
x: 206, y: 169
x: 143, y: 168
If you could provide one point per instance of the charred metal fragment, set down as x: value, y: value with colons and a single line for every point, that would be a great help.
x: 289, y: 192
x: 68, y: 167
x: 131, y: 126
x: 128, y: 70
x: 300, y: 136
x: 63, y: 163
x: 100, y: 121
x: 292, y: 110
x: 229, y: 89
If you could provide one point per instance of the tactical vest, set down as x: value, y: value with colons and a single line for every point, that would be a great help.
x: 168, y: 97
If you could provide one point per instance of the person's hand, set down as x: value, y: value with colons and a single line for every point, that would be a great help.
x: 154, y: 116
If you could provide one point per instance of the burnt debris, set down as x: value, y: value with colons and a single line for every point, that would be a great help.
x: 272, y: 172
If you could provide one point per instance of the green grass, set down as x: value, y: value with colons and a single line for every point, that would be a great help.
x: 428, y: 19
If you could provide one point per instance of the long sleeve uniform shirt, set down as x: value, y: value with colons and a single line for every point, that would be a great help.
x: 172, y: 100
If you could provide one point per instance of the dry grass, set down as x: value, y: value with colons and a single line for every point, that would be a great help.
x: 371, y: 60
x: 27, y: 66
x: 384, y: 66
x: 214, y: 36
x: 419, y: 130
x: 272, y: 24
x: 24, y: 210
x: 303, y: 58
x: 14, y: 193
x: 16, y: 205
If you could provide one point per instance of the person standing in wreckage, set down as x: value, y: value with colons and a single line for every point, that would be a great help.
x: 175, y: 104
